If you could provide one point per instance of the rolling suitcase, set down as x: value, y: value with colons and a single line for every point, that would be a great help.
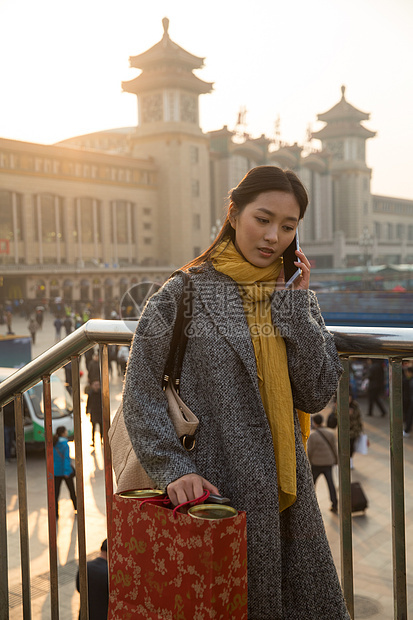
x: 358, y: 499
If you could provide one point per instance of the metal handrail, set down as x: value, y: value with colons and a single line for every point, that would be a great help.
x: 93, y: 332
x: 395, y: 344
x: 350, y: 342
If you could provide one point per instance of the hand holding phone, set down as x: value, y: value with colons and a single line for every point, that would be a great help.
x: 291, y: 271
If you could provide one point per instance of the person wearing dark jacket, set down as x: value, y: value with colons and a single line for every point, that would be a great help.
x: 93, y: 369
x: 94, y: 408
x: 68, y: 325
x: 375, y: 376
x: 97, y: 585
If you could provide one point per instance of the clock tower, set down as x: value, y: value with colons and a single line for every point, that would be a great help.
x: 344, y: 137
x: 168, y: 130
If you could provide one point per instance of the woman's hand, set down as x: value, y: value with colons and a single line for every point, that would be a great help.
x: 189, y: 487
x: 303, y: 281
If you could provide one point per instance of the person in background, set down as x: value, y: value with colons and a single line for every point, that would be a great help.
x: 68, y: 377
x: 322, y: 454
x: 39, y: 317
x: 123, y: 354
x: 58, y: 328
x: 356, y: 424
x: 94, y: 408
x: 97, y: 585
x: 88, y: 356
x: 9, y: 321
x: 93, y: 368
x: 332, y: 416
x: 113, y: 358
x: 63, y: 469
x: 33, y: 326
x: 375, y: 389
x: 68, y: 325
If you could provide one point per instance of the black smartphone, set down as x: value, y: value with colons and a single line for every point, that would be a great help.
x: 291, y: 271
x: 217, y: 499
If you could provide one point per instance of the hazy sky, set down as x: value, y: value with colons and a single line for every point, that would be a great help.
x: 62, y: 65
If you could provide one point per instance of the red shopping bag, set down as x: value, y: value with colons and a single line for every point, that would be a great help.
x: 175, y: 568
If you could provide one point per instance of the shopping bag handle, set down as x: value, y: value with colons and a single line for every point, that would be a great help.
x: 159, y: 501
x: 193, y: 502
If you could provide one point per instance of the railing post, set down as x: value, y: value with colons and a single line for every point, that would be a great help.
x: 104, y: 360
x: 346, y: 536
x: 80, y: 493
x: 51, y: 504
x: 397, y: 490
x: 23, y: 515
x: 4, y: 577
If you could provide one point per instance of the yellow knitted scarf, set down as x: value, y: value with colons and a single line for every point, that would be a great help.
x: 256, y: 285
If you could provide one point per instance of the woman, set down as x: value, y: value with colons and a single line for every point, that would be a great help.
x: 63, y: 469
x: 257, y: 353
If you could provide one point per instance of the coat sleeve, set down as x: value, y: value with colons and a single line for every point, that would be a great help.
x: 145, y: 406
x: 310, y: 447
x: 313, y: 362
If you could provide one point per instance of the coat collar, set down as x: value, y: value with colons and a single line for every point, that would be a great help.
x: 222, y: 304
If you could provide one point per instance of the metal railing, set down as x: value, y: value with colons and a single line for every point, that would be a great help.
x: 393, y: 344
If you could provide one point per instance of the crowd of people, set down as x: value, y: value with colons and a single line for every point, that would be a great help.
x: 322, y: 444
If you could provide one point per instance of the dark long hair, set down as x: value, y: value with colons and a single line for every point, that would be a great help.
x: 257, y: 181
x: 59, y: 433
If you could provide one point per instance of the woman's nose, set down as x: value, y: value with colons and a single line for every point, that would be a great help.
x: 271, y: 234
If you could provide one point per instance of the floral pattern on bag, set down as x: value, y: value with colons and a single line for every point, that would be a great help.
x: 161, y: 567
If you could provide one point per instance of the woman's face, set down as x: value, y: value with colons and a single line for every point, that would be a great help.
x: 266, y: 227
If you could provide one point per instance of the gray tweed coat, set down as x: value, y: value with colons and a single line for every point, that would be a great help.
x: 291, y: 574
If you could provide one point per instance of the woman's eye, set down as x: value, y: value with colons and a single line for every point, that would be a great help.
x: 288, y: 228
x: 262, y: 220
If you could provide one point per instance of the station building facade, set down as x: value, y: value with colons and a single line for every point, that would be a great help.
x: 89, y: 217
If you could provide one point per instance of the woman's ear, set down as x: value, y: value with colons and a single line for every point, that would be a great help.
x: 232, y: 215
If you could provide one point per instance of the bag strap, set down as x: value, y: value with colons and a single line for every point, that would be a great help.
x: 329, y: 444
x: 180, y: 334
x: 193, y: 502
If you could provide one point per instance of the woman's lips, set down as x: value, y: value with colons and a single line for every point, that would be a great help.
x: 266, y: 252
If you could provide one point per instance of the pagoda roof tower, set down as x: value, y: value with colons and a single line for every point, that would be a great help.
x: 343, y: 119
x: 166, y: 65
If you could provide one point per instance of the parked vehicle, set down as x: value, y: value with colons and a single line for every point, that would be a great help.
x: 33, y: 408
